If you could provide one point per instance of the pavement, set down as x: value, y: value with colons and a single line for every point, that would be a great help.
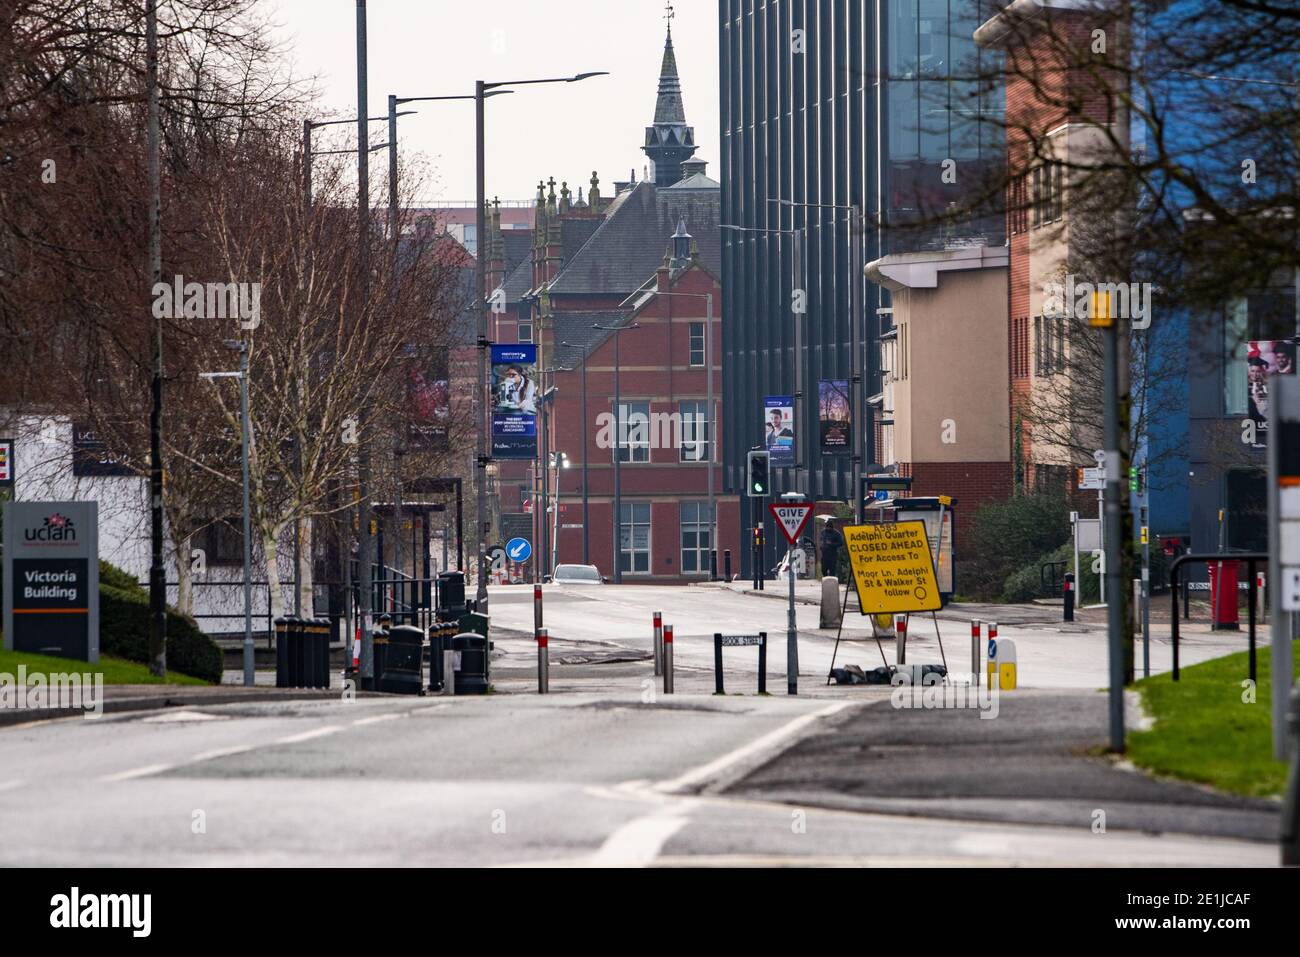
x: 609, y: 770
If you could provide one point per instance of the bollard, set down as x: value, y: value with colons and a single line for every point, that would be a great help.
x: 537, y: 609
x: 543, y: 663
x: 1134, y: 608
x: 975, y: 652
x: 449, y: 673
x: 281, y: 653
x: 717, y: 664
x: 1068, y: 596
x: 668, y: 659
x: 659, y: 643
x: 991, y: 666
x: 713, y: 564
x: 726, y: 564
x: 900, y: 629
x: 831, y: 612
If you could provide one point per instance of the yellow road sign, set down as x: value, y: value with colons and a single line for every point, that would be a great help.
x: 893, y: 567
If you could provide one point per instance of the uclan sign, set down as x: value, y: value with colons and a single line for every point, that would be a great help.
x: 57, y: 528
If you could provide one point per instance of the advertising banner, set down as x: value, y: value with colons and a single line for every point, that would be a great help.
x: 1265, y: 358
x: 428, y: 392
x: 91, y: 458
x: 778, y: 429
x: 833, y: 413
x: 515, y: 398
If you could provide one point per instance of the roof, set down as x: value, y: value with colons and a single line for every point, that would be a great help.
x: 516, y: 245
x: 630, y: 244
x: 576, y: 328
x: 696, y: 181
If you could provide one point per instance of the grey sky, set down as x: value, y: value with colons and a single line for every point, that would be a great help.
x: 434, y: 48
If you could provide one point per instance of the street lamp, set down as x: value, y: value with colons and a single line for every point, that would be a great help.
x: 618, y: 450
x: 242, y: 375
x: 708, y: 417
x: 559, y: 460
x: 856, y: 377
x: 586, y: 538
x: 481, y: 90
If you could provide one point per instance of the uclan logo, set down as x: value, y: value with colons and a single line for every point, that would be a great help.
x: 57, y: 528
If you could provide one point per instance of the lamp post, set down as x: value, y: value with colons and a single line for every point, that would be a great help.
x: 800, y: 444
x: 618, y: 449
x: 157, y: 576
x: 242, y: 375
x: 856, y: 377
x: 708, y: 415
x: 586, y: 538
x: 481, y: 90
x: 559, y: 460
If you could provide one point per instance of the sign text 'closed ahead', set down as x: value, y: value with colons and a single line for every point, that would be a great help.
x: 893, y: 567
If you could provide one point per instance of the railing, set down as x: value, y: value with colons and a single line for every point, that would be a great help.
x: 1251, y: 559
x: 1050, y: 576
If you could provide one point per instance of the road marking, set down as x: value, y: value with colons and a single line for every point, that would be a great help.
x: 183, y: 715
x: 375, y: 719
x: 145, y: 771
x: 308, y: 735
x: 220, y: 753
x: 10, y: 785
x: 750, y: 752
x: 637, y: 843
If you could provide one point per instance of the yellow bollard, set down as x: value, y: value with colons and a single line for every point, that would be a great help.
x: 1002, y: 661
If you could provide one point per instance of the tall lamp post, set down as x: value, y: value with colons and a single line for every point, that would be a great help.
x: 157, y: 576
x: 242, y: 375
x: 857, y: 377
x: 618, y: 450
x: 481, y: 90
x: 559, y: 460
x: 586, y: 538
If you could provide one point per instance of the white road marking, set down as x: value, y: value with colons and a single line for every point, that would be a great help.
x: 308, y: 735
x: 183, y: 715
x: 375, y: 719
x: 145, y: 771
x: 748, y: 752
x: 10, y: 785
x: 220, y: 753
x: 637, y: 843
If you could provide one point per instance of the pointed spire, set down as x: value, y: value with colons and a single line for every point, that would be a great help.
x: 668, y: 108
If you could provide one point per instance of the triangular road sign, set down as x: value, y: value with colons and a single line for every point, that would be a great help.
x: 792, y: 518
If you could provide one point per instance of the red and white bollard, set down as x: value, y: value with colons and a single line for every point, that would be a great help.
x: 659, y: 643
x: 975, y: 652
x: 900, y: 633
x: 537, y: 609
x: 668, y: 659
x: 543, y: 662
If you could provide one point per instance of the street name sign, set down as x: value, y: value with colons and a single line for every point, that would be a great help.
x: 893, y: 568
x: 792, y: 519
x: 51, y: 578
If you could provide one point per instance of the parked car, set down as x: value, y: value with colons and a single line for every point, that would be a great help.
x: 577, y: 575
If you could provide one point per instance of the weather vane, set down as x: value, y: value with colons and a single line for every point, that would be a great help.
x: 669, y: 14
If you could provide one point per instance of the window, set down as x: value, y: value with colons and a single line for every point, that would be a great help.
x: 634, y: 538
x: 223, y: 541
x: 1020, y: 347
x: 1048, y: 187
x: 634, y: 432
x: 1018, y: 204
x: 1049, y: 345
x: 694, y: 435
x: 695, y: 538
x: 697, y: 343
x: 525, y: 332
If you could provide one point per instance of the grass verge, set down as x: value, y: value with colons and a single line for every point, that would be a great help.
x: 1206, y: 730
x: 116, y: 671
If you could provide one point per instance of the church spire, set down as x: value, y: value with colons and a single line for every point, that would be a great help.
x: 669, y: 140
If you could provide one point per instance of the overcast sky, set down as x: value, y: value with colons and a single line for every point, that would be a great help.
x: 435, y: 48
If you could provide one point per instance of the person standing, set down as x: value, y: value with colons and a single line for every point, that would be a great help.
x: 832, y: 539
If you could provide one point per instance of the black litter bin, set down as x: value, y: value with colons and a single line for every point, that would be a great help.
x: 471, y: 669
x: 403, y: 661
x: 281, y: 654
x: 451, y: 595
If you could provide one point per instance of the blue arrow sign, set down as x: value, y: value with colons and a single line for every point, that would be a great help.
x: 519, y: 549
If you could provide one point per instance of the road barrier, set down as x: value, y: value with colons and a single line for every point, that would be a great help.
x: 1002, y: 661
x: 659, y: 643
x: 543, y: 663
x: 975, y: 652
x: 1250, y: 558
x: 668, y: 659
x: 721, y: 641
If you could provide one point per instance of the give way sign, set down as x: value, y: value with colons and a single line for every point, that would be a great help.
x: 792, y: 519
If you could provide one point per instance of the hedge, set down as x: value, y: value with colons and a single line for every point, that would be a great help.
x: 124, y: 629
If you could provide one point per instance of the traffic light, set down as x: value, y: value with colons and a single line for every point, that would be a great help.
x: 1137, y: 480
x: 758, y: 467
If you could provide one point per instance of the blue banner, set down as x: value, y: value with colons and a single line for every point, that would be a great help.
x: 516, y: 393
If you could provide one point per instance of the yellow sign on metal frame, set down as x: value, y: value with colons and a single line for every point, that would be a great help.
x: 893, y: 567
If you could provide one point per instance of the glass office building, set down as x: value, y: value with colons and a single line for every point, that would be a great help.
x: 826, y: 105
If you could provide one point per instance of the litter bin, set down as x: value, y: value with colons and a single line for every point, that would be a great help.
x: 1223, y: 594
x: 281, y: 653
x: 451, y: 595
x: 403, y: 661
x: 440, y: 635
x: 471, y: 671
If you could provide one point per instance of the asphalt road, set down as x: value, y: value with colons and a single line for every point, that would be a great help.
x: 626, y: 778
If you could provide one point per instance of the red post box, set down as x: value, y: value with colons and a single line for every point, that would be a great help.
x: 1223, y: 594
